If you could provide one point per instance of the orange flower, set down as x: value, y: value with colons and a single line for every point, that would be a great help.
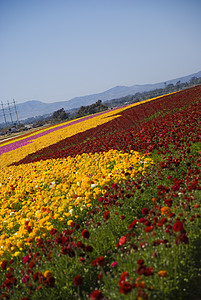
x: 162, y: 273
x: 165, y: 210
x: 48, y: 274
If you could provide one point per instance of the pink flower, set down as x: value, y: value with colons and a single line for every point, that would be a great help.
x: 26, y: 259
x: 114, y: 264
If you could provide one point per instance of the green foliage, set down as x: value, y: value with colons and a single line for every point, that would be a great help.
x: 60, y: 115
x: 91, y: 109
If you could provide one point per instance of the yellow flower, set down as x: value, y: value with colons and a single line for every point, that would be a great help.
x: 69, y: 222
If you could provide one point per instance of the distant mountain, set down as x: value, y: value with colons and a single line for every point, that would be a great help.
x: 37, y: 108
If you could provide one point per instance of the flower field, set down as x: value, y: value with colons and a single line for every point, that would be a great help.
x: 106, y: 206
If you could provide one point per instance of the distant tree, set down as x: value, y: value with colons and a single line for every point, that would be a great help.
x: 193, y: 80
x: 60, y: 115
x: 91, y: 109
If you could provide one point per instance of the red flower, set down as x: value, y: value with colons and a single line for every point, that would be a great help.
x: 100, y: 261
x: 53, y: 231
x: 124, y: 275
x: 50, y: 281
x: 178, y: 226
x: 96, y: 295
x: 145, y: 211
x: 100, y: 276
x: 38, y: 276
x: 4, y: 264
x: 149, y: 228
x: 114, y: 185
x: 182, y: 238
x: 80, y: 245
x: 67, y: 250
x: 132, y: 225
x: 122, y: 240
x: 141, y: 269
x: 85, y: 234
x: 32, y: 265
x: 88, y: 248
x: 125, y: 287
x: 78, y: 280
x: 168, y: 202
x: 149, y: 271
x: 106, y: 215
x: 161, y: 222
x: 140, y: 261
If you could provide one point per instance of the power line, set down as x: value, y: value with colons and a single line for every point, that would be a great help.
x: 9, y: 111
x: 3, y: 113
x: 18, y: 122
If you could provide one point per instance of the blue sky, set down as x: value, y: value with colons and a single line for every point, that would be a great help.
x: 56, y: 50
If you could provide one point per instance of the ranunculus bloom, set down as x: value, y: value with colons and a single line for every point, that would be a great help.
x: 162, y: 273
x: 25, y: 279
x: 96, y: 295
x: 122, y: 240
x: 125, y: 287
x: 100, y: 260
x: 38, y: 276
x: 149, y: 271
x: 32, y: 264
x: 178, y: 226
x: 50, y: 281
x: 165, y: 210
x: 88, y: 248
x: 140, y: 261
x: 149, y: 228
x: 26, y: 259
x: 124, y: 275
x: 145, y: 211
x: 48, y: 274
x: 85, y: 233
x: 141, y: 269
x: 114, y: 264
x: 4, y: 264
x: 78, y: 280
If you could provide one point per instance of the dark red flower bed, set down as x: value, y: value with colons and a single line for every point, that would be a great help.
x: 146, y: 127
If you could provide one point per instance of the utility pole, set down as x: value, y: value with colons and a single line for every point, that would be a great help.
x: 4, y: 114
x: 18, y: 123
x: 10, y: 113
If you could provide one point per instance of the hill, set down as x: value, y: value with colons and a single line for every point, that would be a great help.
x: 34, y: 108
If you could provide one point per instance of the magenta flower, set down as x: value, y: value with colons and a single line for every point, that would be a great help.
x: 26, y: 259
x: 25, y: 279
x: 114, y: 264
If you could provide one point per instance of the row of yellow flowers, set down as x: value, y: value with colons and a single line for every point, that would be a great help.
x: 34, y: 196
